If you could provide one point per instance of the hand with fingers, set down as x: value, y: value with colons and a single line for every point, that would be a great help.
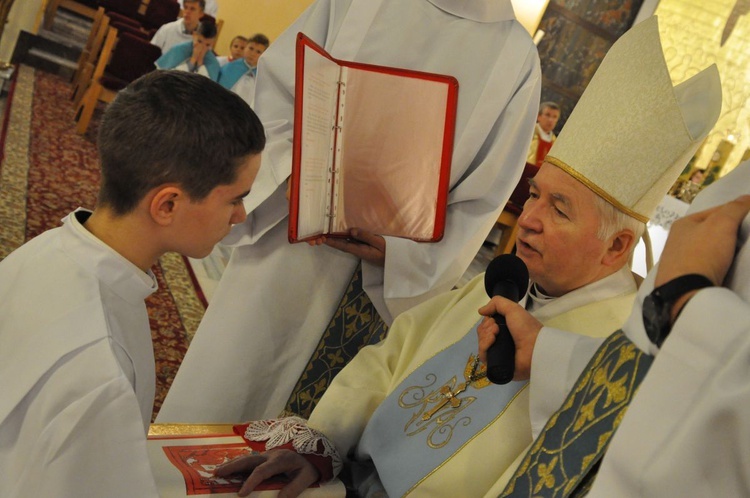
x: 365, y: 245
x: 522, y: 326
x: 702, y: 243
x: 302, y: 473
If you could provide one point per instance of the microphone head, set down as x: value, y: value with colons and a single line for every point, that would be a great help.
x: 506, y: 268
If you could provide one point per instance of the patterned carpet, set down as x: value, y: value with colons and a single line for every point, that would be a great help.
x: 47, y: 171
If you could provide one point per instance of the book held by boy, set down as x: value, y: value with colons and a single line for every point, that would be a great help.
x: 372, y: 148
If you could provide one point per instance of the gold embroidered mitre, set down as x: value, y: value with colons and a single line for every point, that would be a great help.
x: 632, y: 132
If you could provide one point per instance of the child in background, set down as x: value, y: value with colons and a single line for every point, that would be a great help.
x: 239, y: 76
x: 236, y: 50
x: 196, y: 56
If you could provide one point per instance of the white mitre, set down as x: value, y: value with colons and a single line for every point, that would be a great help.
x: 632, y: 133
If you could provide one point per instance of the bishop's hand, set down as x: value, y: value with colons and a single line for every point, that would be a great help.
x: 263, y: 466
x: 522, y: 326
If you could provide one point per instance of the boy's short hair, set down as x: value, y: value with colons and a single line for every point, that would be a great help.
x: 206, y: 28
x: 260, y: 39
x: 202, y: 3
x: 173, y: 127
x: 238, y: 37
x: 548, y: 105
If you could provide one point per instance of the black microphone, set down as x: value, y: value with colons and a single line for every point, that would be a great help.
x: 506, y: 276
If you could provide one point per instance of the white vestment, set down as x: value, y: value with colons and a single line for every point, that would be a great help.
x: 348, y: 407
x: 77, y: 369
x: 201, y: 69
x: 171, y: 34
x: 686, y: 431
x: 245, y: 88
x: 275, y: 299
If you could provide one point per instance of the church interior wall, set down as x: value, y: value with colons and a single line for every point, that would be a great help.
x: 696, y: 34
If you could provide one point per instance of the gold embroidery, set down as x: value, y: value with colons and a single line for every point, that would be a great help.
x: 563, y: 459
x: 598, y: 190
x: 436, y: 407
x: 546, y: 476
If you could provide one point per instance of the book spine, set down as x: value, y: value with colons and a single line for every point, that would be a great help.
x: 337, y: 146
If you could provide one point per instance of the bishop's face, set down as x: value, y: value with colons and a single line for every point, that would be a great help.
x: 557, y: 233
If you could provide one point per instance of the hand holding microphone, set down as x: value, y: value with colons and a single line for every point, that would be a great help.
x: 506, y: 276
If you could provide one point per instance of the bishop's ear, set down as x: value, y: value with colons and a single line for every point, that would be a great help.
x: 164, y: 203
x: 620, y: 247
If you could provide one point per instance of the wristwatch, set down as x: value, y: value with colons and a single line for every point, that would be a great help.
x: 657, y: 306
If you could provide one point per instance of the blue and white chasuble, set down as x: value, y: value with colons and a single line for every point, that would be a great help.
x: 437, y: 409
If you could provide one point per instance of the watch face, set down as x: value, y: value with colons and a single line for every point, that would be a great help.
x: 654, y: 318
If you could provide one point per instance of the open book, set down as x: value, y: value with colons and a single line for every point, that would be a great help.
x: 372, y: 148
x: 184, y: 456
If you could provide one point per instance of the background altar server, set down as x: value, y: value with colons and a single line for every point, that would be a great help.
x: 544, y: 136
x: 195, y: 56
x: 76, y: 358
x: 236, y: 49
x: 239, y: 75
x: 400, y: 412
x: 181, y: 30
x: 275, y: 299
x: 212, y: 7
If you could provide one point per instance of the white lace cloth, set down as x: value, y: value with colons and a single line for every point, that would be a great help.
x: 278, y: 432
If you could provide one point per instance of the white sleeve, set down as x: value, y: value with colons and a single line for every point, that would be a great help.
x: 93, y: 447
x: 686, y: 432
x: 414, y: 271
x: 266, y: 205
x: 160, y: 38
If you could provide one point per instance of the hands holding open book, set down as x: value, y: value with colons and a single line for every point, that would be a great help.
x: 361, y: 243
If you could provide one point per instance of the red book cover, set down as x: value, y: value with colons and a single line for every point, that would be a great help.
x: 372, y: 148
x: 183, y: 466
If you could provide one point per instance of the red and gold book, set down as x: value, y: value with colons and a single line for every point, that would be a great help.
x: 372, y: 148
x: 183, y: 458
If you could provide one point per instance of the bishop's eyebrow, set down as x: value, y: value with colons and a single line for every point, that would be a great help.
x: 562, y: 199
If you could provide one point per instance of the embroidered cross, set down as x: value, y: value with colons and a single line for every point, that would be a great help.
x: 448, y: 397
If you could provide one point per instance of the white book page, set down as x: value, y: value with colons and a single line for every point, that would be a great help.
x: 321, y: 76
x: 393, y: 132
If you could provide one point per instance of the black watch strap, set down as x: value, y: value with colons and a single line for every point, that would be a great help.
x: 657, y: 307
x: 678, y: 287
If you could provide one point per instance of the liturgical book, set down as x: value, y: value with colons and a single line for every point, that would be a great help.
x: 184, y: 456
x: 372, y: 148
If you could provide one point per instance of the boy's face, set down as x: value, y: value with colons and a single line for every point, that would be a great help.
x: 253, y: 52
x: 203, y: 42
x: 191, y: 14
x: 204, y: 223
x: 237, y: 48
x: 547, y: 119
